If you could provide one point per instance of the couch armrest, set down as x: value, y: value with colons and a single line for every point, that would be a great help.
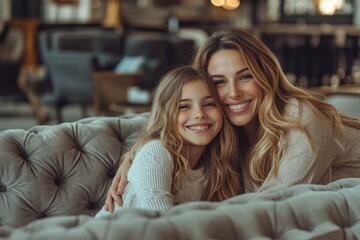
x: 64, y: 169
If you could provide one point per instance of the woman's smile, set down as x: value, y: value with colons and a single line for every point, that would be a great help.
x: 237, y: 88
x: 238, y: 107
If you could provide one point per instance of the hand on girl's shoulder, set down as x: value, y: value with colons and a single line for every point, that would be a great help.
x: 299, y: 110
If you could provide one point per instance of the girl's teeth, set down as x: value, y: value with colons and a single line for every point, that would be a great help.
x: 198, y: 127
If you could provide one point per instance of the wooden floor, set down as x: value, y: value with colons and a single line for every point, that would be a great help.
x: 19, y: 115
x: 14, y: 115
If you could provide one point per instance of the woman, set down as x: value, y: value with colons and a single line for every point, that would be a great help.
x: 292, y: 136
x: 288, y: 136
x: 187, y: 150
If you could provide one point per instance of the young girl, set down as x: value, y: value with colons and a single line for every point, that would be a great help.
x: 287, y: 135
x: 187, y: 150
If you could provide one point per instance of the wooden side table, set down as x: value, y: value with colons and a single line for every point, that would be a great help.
x: 111, y: 93
x: 30, y: 30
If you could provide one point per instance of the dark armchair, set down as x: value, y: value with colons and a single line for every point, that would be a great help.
x: 70, y: 74
x: 70, y: 58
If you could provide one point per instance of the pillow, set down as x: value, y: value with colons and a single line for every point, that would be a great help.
x: 130, y: 64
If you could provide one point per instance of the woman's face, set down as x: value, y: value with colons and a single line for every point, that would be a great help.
x: 237, y: 88
x: 199, y: 120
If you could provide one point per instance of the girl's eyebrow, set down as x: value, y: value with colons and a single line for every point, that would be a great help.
x: 237, y: 73
x: 189, y: 99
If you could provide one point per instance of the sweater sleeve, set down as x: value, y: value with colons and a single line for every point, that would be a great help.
x: 304, y: 162
x: 151, y: 177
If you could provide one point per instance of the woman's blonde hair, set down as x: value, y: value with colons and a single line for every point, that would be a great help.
x: 218, y: 158
x: 265, y: 156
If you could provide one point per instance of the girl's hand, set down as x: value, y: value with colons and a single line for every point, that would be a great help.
x: 118, y: 185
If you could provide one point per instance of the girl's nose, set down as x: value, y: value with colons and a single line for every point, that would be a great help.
x: 199, y: 113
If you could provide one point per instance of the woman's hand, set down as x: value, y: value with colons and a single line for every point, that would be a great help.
x: 118, y: 185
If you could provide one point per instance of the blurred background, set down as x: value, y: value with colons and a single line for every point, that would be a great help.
x: 62, y: 60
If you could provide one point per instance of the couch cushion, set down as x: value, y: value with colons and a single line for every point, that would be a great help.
x: 299, y: 212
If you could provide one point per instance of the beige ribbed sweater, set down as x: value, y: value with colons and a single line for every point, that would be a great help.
x: 150, y: 180
x: 322, y: 163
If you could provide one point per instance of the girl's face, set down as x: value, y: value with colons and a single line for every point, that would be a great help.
x: 199, y: 120
x: 237, y: 88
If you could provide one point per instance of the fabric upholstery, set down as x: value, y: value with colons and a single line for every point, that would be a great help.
x: 53, y: 179
x: 63, y: 169
x: 300, y: 212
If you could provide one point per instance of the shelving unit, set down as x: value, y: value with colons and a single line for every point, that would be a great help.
x: 315, y: 55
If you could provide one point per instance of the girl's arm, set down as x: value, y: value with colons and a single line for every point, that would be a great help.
x: 119, y: 182
x: 151, y: 178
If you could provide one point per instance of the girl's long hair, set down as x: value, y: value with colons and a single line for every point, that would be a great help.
x: 264, y: 157
x: 219, y: 160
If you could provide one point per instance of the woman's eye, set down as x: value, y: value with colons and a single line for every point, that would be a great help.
x: 245, y: 77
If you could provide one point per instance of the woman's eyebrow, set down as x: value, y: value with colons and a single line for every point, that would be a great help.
x: 238, y: 72
x: 242, y: 70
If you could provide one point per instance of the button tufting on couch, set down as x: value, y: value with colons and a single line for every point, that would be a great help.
x: 53, y: 179
x: 329, y: 212
x: 65, y: 169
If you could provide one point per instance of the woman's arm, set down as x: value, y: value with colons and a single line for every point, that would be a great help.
x: 118, y: 185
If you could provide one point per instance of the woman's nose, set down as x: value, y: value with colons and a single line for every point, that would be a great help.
x: 234, y: 91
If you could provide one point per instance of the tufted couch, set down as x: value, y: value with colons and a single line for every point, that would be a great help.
x: 53, y: 179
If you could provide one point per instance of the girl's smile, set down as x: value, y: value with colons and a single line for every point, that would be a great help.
x: 199, y: 119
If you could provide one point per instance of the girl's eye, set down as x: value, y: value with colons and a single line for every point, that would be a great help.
x: 210, y: 105
x: 184, y: 107
x: 219, y: 81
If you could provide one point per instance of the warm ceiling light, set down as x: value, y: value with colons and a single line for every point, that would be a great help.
x: 327, y: 7
x: 231, y: 4
x: 338, y: 3
x: 218, y: 3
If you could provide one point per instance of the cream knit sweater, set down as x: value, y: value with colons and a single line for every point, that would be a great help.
x: 150, y: 180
